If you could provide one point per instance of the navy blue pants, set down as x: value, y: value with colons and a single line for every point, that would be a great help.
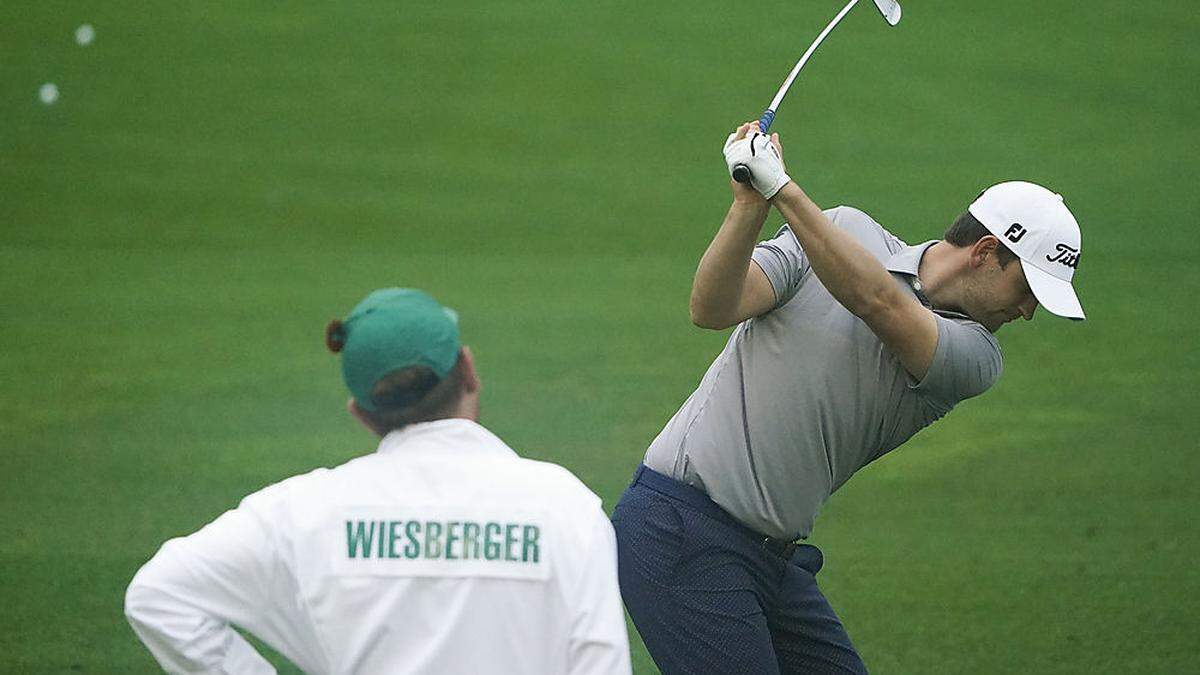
x: 708, y: 597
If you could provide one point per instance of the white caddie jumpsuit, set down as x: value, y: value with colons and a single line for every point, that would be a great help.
x: 443, y: 552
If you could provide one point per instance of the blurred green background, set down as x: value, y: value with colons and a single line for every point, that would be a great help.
x: 219, y: 179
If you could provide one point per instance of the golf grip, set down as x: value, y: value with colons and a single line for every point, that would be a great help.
x: 741, y: 172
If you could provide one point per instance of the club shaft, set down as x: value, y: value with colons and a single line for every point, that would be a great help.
x: 804, y: 59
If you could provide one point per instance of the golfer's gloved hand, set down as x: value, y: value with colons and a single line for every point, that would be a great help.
x: 756, y: 151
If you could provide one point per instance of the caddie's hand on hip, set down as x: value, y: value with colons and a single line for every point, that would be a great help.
x: 762, y: 155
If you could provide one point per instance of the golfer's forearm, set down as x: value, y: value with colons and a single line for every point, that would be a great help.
x: 851, y: 274
x: 721, y: 275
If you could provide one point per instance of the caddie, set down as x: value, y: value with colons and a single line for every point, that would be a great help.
x: 441, y: 552
x: 848, y: 342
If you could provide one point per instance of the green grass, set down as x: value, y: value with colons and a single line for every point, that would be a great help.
x: 220, y: 179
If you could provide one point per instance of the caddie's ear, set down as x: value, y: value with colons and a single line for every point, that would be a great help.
x: 470, y: 378
x: 364, y: 418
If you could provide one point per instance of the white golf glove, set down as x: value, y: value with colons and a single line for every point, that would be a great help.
x: 758, y: 153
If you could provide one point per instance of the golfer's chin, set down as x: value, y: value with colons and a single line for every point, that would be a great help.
x: 996, y: 323
x: 991, y: 322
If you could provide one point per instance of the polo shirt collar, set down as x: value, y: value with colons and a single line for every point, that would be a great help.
x: 907, y: 261
x: 453, y: 435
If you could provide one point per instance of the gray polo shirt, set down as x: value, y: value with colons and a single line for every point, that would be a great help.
x: 806, y: 394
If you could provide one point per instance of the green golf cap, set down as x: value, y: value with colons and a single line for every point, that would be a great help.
x: 393, y: 328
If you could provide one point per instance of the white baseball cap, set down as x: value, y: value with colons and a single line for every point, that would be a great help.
x: 1036, y: 225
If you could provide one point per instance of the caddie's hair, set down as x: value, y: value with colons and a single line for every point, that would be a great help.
x: 967, y: 230
x: 415, y: 394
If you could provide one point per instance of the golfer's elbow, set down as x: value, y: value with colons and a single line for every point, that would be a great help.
x: 702, y: 319
x: 705, y: 315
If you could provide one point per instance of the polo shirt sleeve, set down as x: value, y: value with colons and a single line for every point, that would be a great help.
x: 966, y: 363
x: 784, y: 263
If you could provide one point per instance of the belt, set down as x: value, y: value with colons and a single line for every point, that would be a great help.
x: 780, y: 547
x: 696, y: 498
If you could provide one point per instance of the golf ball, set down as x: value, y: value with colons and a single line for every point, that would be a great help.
x: 85, y: 34
x: 48, y: 93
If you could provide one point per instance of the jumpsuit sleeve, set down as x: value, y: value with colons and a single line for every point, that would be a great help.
x: 599, y: 643
x: 183, y: 601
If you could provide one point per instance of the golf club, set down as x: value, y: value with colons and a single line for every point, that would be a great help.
x: 890, y: 9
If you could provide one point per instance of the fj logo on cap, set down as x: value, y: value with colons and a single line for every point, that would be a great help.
x: 1015, y: 232
x: 1065, y: 255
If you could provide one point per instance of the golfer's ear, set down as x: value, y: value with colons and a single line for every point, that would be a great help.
x: 983, y: 248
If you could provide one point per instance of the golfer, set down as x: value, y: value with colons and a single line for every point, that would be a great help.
x: 442, y: 552
x: 848, y: 342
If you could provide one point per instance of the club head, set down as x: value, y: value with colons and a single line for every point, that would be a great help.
x: 890, y: 9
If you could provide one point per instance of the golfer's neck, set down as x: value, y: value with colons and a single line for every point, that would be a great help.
x: 940, y: 273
